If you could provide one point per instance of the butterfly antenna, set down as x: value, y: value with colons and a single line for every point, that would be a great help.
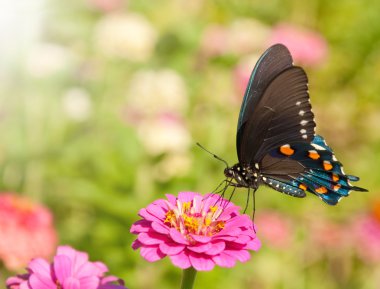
x: 214, y: 155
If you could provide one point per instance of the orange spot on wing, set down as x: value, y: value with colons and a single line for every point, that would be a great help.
x: 286, y: 150
x: 314, y: 155
x: 335, y: 177
x: 327, y: 165
x: 302, y: 187
x: 336, y: 187
x: 321, y: 190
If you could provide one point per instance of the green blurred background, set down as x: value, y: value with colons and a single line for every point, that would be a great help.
x: 102, y: 102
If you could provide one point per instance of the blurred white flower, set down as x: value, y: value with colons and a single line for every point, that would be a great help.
x: 247, y: 35
x: 173, y: 165
x: 21, y: 27
x: 240, y: 37
x: 130, y: 36
x: 151, y: 92
x: 164, y: 134
x: 77, y: 104
x: 48, y: 59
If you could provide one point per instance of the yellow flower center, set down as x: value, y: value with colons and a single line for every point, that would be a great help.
x: 187, y: 220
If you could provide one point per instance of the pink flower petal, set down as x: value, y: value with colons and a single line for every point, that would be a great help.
x: 224, y: 260
x: 15, y: 281
x: 151, y: 238
x: 177, y: 236
x: 181, y: 260
x: 171, y: 248
x: 160, y: 228
x: 152, y: 253
x: 88, y: 269
x: 239, y: 221
x: 242, y: 239
x: 101, y: 267
x: 201, y: 262
x: 216, y: 248
x: 227, y: 212
x: 161, y: 203
x: 229, y: 231
x: 90, y: 282
x: 41, y: 282
x: 199, y: 247
x: 62, y: 267
x: 143, y: 213
x: 72, y: 283
x: 224, y: 237
x: 136, y: 244
x: 172, y: 199
x: 140, y: 226
x: 201, y: 239
x: 185, y: 197
x: 241, y: 255
x: 109, y: 279
x: 77, y: 258
x: 24, y: 285
x: 156, y: 211
x: 41, y: 266
x: 255, y: 245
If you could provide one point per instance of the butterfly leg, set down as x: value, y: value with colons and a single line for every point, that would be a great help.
x: 246, y: 203
x: 254, y: 206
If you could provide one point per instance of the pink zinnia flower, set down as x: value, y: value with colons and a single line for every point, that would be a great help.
x: 307, y: 47
x: 70, y: 269
x: 195, y: 231
x: 20, y: 222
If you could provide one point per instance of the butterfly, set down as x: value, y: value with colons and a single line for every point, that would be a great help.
x: 276, y: 141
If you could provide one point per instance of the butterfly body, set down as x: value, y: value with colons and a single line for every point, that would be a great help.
x: 244, y: 176
x: 276, y: 141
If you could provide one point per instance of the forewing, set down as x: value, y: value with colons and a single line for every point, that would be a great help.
x: 281, y: 115
x: 275, y: 60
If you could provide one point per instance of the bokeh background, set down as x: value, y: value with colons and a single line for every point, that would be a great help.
x: 102, y: 102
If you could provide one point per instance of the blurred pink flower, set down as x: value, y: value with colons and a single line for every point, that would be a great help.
x: 195, y: 231
x: 70, y: 269
x: 20, y: 222
x: 274, y: 228
x: 241, y: 74
x: 326, y: 234
x: 214, y: 40
x: 106, y: 5
x: 307, y: 47
x: 366, y: 230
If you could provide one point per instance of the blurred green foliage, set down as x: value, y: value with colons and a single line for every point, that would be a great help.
x: 95, y: 174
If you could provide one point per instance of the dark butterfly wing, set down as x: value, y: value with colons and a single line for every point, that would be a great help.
x: 275, y: 59
x: 310, y: 167
x: 281, y: 115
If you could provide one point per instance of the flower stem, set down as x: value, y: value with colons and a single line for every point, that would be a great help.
x: 188, y: 277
